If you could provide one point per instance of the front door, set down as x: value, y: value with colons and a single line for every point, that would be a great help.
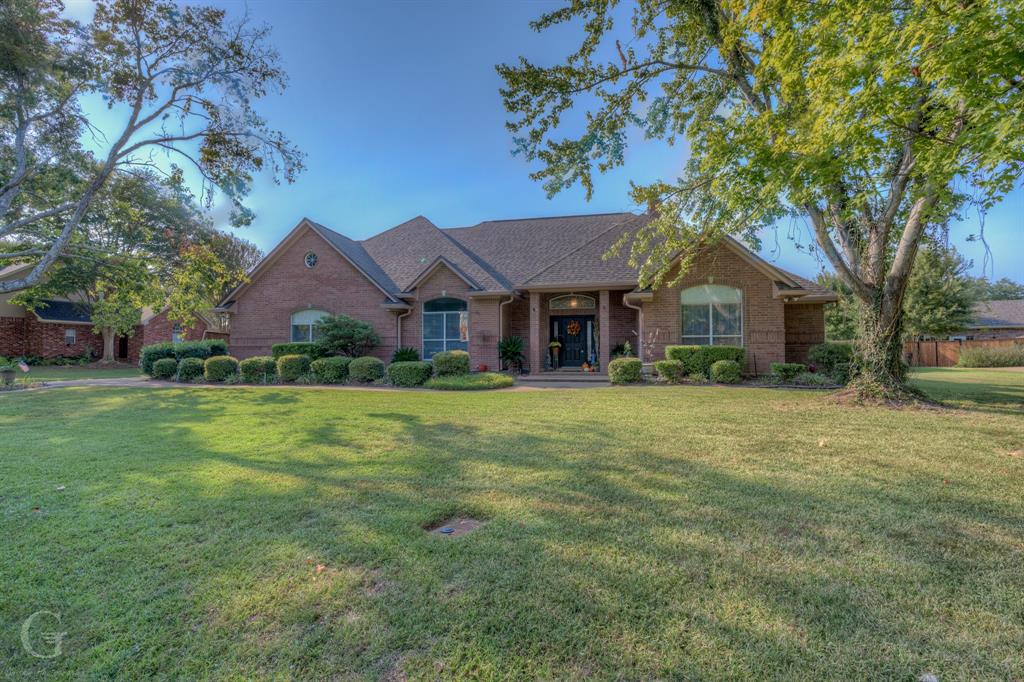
x: 575, y: 335
x: 122, y: 348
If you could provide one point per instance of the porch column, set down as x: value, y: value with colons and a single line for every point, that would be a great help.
x: 534, y: 350
x: 605, y: 332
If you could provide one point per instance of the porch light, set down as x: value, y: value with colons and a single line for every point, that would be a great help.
x: 573, y: 302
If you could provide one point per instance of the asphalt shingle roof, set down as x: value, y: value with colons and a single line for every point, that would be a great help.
x: 999, y: 314
x: 64, y: 311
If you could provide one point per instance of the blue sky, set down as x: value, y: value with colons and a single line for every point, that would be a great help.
x: 396, y: 105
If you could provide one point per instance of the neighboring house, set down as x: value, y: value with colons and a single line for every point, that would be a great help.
x: 542, y: 279
x: 995, y: 320
x: 63, y: 328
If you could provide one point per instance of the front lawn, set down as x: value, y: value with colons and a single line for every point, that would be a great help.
x: 995, y: 390
x: 55, y: 373
x: 680, y: 532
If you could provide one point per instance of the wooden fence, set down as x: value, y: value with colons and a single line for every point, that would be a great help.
x: 944, y: 353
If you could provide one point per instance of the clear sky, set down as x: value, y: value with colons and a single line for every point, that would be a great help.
x: 396, y: 105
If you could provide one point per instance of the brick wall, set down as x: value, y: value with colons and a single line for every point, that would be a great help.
x: 46, y: 339
x: 764, y: 327
x: 805, y: 327
x: 160, y: 328
x: 12, y: 336
x: 263, y: 310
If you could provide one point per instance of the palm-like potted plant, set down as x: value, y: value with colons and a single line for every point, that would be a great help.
x: 510, y: 352
x: 555, y: 347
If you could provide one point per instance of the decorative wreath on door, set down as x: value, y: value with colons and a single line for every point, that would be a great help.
x: 573, y: 328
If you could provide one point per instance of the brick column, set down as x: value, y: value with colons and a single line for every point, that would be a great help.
x: 533, y: 352
x: 604, y: 331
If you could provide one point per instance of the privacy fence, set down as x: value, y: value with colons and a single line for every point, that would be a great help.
x: 945, y: 353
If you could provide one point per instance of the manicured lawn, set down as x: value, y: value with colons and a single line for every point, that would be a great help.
x: 684, y: 532
x: 41, y: 373
x: 996, y: 390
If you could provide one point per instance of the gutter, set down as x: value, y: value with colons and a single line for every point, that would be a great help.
x: 398, y: 323
x: 640, y: 326
x: 501, y: 326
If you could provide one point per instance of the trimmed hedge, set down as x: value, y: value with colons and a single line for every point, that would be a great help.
x: 411, y: 373
x: 165, y: 368
x: 366, y: 369
x: 190, y: 370
x: 179, y: 351
x: 698, y: 359
x: 672, y: 371
x: 827, y: 356
x: 998, y: 356
x: 333, y: 370
x: 725, y: 372
x: 261, y: 369
x: 451, y: 362
x: 219, y: 368
x: 291, y: 367
x: 278, y: 350
x: 625, y: 371
x: 787, y: 371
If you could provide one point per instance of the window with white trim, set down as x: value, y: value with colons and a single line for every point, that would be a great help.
x: 445, y: 326
x: 712, y: 316
x: 70, y: 336
x: 304, y: 325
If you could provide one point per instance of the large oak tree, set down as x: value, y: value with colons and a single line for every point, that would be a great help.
x: 874, y: 120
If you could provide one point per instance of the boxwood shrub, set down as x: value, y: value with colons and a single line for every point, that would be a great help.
x: 787, y: 371
x: 179, y: 351
x: 672, y: 371
x: 165, y: 368
x: 190, y: 370
x: 409, y: 373
x: 366, y: 369
x: 261, y: 369
x: 291, y: 367
x: 220, y: 368
x: 451, y: 362
x: 698, y: 359
x: 332, y: 370
x: 299, y: 348
x: 625, y: 371
x: 829, y: 355
x: 725, y: 372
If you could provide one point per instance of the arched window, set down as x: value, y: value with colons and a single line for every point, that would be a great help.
x: 445, y: 326
x: 572, y: 302
x: 303, y: 324
x: 712, y: 316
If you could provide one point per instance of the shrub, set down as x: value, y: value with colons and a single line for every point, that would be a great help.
x: 451, y: 362
x: 179, y: 351
x: 510, y: 352
x: 220, y: 367
x: 787, y: 371
x: 190, y: 370
x: 811, y: 379
x: 165, y: 368
x: 409, y: 373
x: 697, y: 378
x: 258, y: 370
x: 330, y: 370
x: 153, y: 352
x: 842, y: 373
x: 725, y: 372
x: 343, y: 335
x: 672, y: 371
x: 406, y: 354
x: 366, y: 369
x: 998, y: 356
x: 625, y: 371
x: 481, y: 381
x: 291, y: 367
x: 279, y: 350
x: 698, y: 359
x: 828, y: 356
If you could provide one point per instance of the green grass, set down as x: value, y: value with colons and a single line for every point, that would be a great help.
x: 680, y: 532
x: 480, y: 381
x: 53, y: 373
x: 995, y: 390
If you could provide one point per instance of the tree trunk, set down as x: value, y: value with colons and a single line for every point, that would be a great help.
x: 109, y: 338
x: 881, y: 372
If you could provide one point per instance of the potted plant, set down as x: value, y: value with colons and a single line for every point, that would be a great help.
x: 555, y: 346
x: 510, y: 352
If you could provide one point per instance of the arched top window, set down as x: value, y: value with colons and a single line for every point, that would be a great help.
x: 572, y: 302
x: 445, y: 326
x: 304, y: 324
x: 712, y: 315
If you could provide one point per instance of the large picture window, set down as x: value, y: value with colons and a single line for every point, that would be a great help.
x: 712, y: 316
x: 304, y: 325
x: 445, y: 326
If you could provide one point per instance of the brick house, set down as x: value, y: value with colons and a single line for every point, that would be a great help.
x: 1000, y: 319
x: 64, y: 328
x: 541, y: 279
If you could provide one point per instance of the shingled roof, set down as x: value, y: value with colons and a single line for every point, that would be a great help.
x: 1003, y: 314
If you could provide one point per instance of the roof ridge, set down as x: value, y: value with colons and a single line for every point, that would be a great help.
x: 401, y: 224
x: 590, y: 241
x: 549, y: 217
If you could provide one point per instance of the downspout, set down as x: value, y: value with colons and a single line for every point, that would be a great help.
x: 501, y: 320
x: 398, y: 323
x: 640, y: 326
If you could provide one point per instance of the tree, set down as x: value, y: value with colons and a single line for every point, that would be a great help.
x: 939, y: 295
x: 860, y: 116
x: 343, y: 335
x: 1000, y: 290
x: 187, y: 79
x: 841, y: 316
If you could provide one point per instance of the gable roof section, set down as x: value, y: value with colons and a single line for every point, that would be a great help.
x: 439, y: 262
x: 1001, y: 314
x: 64, y: 311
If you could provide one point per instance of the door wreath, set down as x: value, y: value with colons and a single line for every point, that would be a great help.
x: 573, y: 328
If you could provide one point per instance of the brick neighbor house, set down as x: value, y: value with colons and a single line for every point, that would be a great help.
x: 541, y: 279
x: 64, y: 328
x: 1001, y: 319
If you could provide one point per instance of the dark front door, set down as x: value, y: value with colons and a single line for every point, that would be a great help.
x: 574, y: 333
x: 122, y: 348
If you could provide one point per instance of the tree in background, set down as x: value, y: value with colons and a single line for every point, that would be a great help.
x: 841, y: 316
x: 187, y: 79
x: 858, y: 115
x: 1000, y: 290
x: 939, y: 295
